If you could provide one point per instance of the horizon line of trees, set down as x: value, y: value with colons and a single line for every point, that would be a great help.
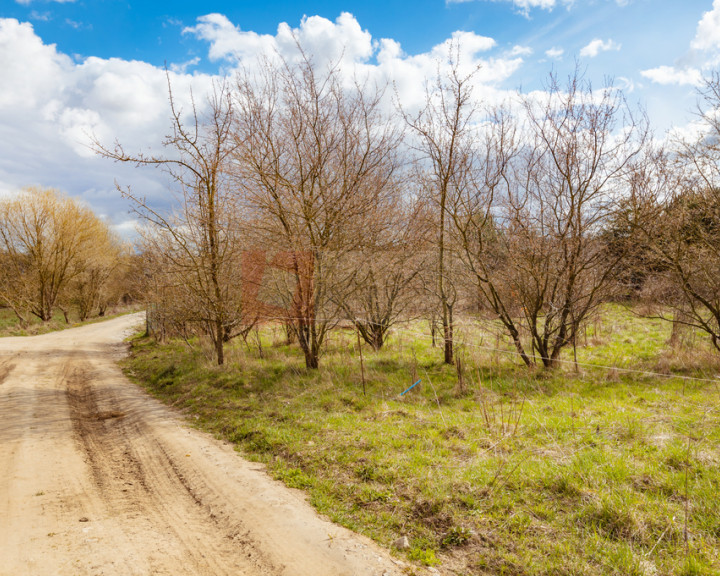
x: 57, y: 255
x: 533, y: 213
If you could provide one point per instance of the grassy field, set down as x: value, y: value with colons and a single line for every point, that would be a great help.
x: 11, y: 326
x: 585, y: 471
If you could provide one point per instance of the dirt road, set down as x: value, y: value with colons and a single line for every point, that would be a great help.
x: 98, y: 478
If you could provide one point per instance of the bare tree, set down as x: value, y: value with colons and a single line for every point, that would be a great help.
x: 199, y: 242
x: 573, y: 179
x: 313, y: 155
x: 532, y: 223
x: 479, y: 224
x: 380, y: 285
x: 676, y: 220
x: 444, y: 131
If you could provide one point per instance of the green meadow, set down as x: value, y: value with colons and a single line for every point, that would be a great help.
x: 608, y: 465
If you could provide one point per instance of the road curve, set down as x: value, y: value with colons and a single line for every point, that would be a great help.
x: 98, y: 478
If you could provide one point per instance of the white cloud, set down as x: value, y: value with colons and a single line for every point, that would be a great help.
x: 28, y: 2
x: 345, y: 42
x: 554, y: 53
x: 525, y: 6
x: 319, y: 36
x: 29, y: 67
x: 596, y: 46
x: 41, y: 16
x: 182, y: 67
x: 126, y: 228
x: 227, y: 41
x: 625, y: 84
x: 470, y: 45
x: 78, y: 25
x: 50, y: 103
x: 670, y: 75
x: 343, y: 39
x: 543, y: 4
x: 707, y: 36
x: 520, y: 51
x: 703, y: 55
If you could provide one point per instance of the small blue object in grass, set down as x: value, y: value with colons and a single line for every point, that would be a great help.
x: 411, y: 387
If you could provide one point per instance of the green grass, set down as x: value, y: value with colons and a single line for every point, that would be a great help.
x: 10, y: 325
x: 516, y: 472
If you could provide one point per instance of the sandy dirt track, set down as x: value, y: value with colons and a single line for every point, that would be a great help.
x: 98, y: 478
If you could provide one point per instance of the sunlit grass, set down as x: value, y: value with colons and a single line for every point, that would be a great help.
x: 515, y: 472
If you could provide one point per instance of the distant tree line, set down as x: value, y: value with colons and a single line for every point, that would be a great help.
x: 57, y: 255
x: 533, y: 213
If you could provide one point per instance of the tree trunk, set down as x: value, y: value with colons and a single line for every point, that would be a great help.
x: 448, y: 332
x: 311, y: 359
x: 676, y: 329
x: 305, y: 339
x: 23, y: 319
x: 290, y: 335
x: 377, y: 341
x: 219, y: 345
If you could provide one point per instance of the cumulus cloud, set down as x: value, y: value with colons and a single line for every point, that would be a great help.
x: 343, y: 39
x: 345, y: 43
x: 182, y: 67
x: 703, y: 54
x: 707, y: 36
x: 226, y: 40
x: 596, y: 46
x: 671, y: 75
x: 50, y: 103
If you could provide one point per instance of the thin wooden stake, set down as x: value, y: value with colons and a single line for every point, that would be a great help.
x: 362, y: 362
x: 574, y: 344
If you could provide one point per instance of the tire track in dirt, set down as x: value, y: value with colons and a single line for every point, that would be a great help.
x: 41, y: 494
x: 98, y: 478
x: 6, y: 367
x: 137, y: 477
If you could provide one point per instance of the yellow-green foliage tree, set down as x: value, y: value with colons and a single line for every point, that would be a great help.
x: 47, y: 242
x: 102, y: 277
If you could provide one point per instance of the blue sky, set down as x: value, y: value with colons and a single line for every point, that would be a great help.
x: 650, y: 32
x: 96, y: 66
